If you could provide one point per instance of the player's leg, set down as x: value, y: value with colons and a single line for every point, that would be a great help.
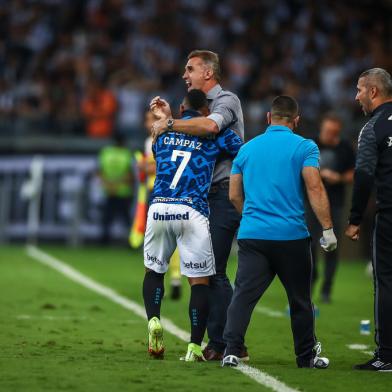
x: 253, y: 277
x: 106, y: 219
x: 153, y: 289
x: 332, y: 258
x: 125, y: 210
x: 175, y: 276
x: 382, y: 273
x: 331, y: 264
x: 224, y: 221
x: 159, y: 244
x: 292, y: 261
x: 198, y: 314
x: 197, y: 264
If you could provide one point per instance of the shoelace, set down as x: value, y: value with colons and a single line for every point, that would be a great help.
x: 317, y: 348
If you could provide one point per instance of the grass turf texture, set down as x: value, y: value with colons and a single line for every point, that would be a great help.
x: 57, y: 335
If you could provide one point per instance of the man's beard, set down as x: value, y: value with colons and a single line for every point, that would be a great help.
x: 366, y: 108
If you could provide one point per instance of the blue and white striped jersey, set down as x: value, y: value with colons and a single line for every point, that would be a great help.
x: 185, y: 165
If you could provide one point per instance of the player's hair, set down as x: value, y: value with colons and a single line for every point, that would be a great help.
x: 379, y: 78
x: 284, y: 107
x: 332, y: 116
x: 196, y: 100
x: 209, y: 58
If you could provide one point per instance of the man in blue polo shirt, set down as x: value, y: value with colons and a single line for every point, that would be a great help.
x: 267, y: 188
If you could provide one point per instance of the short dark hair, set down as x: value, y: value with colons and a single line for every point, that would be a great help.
x: 380, y: 78
x: 195, y: 100
x: 209, y: 58
x: 331, y: 116
x: 284, y: 107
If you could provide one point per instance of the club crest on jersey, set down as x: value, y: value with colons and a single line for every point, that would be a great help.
x: 389, y: 141
x: 169, y: 217
x: 177, y: 141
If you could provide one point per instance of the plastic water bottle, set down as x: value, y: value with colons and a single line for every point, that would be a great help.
x: 364, y: 328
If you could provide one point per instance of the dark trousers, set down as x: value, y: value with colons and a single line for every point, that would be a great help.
x: 224, y: 221
x: 382, y: 274
x: 331, y: 258
x: 258, y: 263
x: 114, y: 207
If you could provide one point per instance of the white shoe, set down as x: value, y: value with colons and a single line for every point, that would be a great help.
x: 230, y: 360
x: 319, y: 362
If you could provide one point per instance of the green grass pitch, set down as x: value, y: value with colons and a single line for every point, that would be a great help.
x: 57, y: 335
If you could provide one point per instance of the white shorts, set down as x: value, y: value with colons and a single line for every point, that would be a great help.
x: 172, y: 225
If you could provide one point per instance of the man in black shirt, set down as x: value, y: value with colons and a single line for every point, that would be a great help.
x: 374, y: 166
x: 336, y: 169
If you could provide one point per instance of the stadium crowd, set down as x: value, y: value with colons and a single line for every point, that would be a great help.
x: 90, y: 67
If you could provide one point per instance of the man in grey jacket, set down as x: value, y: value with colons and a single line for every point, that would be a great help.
x: 202, y: 71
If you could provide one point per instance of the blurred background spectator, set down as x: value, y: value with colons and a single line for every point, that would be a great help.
x: 337, y: 161
x: 74, y: 75
x: 52, y: 53
x: 115, y: 173
x: 99, y: 107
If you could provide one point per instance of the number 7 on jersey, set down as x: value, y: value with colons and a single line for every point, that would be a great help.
x: 186, y: 155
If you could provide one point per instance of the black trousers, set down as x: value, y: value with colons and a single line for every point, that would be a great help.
x: 259, y: 261
x: 382, y: 274
x: 331, y: 258
x: 224, y: 222
x: 114, y: 207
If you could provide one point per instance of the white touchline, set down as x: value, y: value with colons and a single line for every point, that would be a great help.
x: 371, y: 353
x: 59, y: 318
x: 269, y: 312
x: 356, y: 346
x: 52, y: 318
x: 360, y: 347
x: 73, y: 274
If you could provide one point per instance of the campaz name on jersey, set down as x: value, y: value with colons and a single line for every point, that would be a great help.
x: 175, y: 141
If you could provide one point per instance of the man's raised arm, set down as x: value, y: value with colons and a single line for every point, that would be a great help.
x: 198, y: 126
x: 221, y: 117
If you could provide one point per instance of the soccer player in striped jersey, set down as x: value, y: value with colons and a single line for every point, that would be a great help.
x: 178, y: 217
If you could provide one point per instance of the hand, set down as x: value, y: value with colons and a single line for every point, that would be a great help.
x: 159, y: 114
x: 328, y: 241
x: 158, y: 127
x: 330, y: 176
x: 352, y: 232
x: 160, y: 108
